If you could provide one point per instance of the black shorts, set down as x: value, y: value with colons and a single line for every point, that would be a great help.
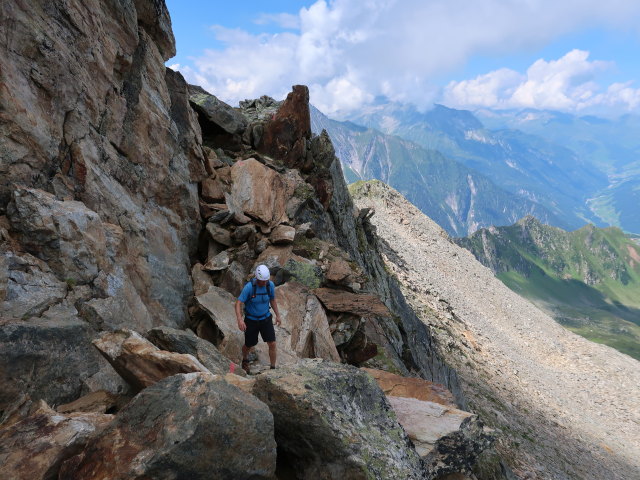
x: 265, y: 327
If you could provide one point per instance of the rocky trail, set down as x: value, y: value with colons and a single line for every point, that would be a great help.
x: 567, y: 408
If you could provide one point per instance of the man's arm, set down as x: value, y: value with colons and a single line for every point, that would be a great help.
x: 239, y: 317
x: 274, y: 305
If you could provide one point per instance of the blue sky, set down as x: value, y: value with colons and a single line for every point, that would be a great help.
x: 579, y: 56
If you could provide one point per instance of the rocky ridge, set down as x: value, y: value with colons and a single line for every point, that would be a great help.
x: 133, y: 207
x: 566, y: 407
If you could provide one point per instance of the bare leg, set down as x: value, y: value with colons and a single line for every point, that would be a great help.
x: 245, y: 352
x: 272, y: 353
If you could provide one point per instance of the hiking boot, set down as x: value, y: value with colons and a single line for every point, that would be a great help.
x: 245, y: 366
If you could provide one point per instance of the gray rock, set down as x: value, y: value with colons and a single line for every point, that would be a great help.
x: 219, y: 234
x: 67, y: 235
x: 27, y: 286
x: 218, y: 262
x: 49, y: 359
x: 333, y: 421
x: 113, y: 129
x: 234, y: 278
x: 219, y: 113
x: 185, y: 341
x: 194, y: 426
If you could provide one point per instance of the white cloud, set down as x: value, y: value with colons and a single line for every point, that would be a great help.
x: 394, y: 48
x: 566, y: 84
x: 285, y: 20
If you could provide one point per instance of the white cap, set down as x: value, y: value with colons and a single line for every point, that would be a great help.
x: 262, y: 272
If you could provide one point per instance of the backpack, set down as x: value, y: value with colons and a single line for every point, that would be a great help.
x: 254, y: 288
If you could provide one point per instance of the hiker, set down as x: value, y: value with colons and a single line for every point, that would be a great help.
x: 256, y: 296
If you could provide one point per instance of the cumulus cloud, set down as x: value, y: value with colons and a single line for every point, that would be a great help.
x: 566, y: 84
x: 351, y: 51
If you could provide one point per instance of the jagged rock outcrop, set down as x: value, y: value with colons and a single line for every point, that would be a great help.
x: 193, y: 426
x: 333, y: 421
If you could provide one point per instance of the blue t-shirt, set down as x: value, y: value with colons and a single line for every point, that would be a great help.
x: 257, y: 308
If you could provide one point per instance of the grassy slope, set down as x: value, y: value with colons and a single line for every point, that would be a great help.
x: 587, y: 279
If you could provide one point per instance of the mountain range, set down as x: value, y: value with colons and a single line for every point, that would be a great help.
x: 543, y: 171
x: 458, y: 198
x: 612, y: 145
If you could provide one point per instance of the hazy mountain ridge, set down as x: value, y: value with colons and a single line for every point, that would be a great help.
x: 458, y: 198
x: 612, y: 145
x: 525, y: 164
x: 588, y: 279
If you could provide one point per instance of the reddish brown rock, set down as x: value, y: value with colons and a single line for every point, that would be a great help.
x: 411, y: 387
x: 139, y: 361
x: 35, y: 447
x: 286, y: 134
x: 365, y: 305
x: 338, y: 271
x: 212, y: 190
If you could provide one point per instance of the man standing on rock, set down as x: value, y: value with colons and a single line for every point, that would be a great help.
x: 256, y: 296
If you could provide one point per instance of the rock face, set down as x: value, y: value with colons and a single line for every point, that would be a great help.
x: 194, y: 426
x: 140, y: 362
x: 95, y: 119
x: 35, y: 447
x: 315, y: 406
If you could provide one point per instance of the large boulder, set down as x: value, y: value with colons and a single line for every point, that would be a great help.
x: 305, y: 330
x: 333, y: 421
x: 51, y: 359
x: 67, y: 235
x: 217, y: 112
x: 259, y: 191
x: 187, y: 342
x: 35, y: 447
x: 219, y: 324
x: 194, y: 426
x: 358, y: 304
x: 140, y: 362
